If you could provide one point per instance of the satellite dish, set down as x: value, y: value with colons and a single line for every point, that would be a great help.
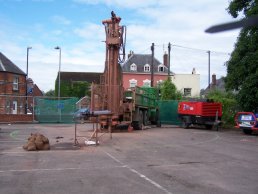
x: 248, y: 22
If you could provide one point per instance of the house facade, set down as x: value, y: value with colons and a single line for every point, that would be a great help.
x: 137, y: 70
x: 187, y: 84
x: 12, y: 87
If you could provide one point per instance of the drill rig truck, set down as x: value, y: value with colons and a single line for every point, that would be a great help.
x: 132, y: 108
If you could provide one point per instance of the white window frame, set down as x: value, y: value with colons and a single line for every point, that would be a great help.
x: 16, y: 83
x: 133, y: 67
x: 159, y: 82
x: 187, y: 91
x: 147, y: 68
x: 161, y: 66
x: 132, y: 83
x: 146, y: 83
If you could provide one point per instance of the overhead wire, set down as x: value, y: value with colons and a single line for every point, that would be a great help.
x: 190, y: 48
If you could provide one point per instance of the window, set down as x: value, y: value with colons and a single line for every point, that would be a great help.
x: 147, y: 68
x: 161, y: 68
x: 132, y: 83
x: 133, y: 67
x: 146, y: 83
x: 15, y: 83
x: 187, y: 91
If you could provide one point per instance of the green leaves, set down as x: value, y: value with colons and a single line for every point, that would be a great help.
x: 229, y: 105
x: 242, y: 68
x: 169, y: 91
x: 73, y: 89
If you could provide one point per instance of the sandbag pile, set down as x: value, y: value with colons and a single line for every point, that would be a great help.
x: 36, y: 142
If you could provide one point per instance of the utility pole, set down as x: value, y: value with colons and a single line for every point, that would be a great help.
x: 209, y: 71
x: 27, y: 76
x: 169, y: 49
x: 152, y: 65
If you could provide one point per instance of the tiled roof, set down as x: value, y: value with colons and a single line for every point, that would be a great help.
x: 81, y: 76
x: 8, y: 66
x: 140, y: 60
x: 220, y: 85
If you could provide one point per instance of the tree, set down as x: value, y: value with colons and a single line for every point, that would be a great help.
x: 242, y: 68
x: 50, y: 93
x: 73, y: 89
x: 229, y: 105
x: 80, y: 89
x: 169, y: 91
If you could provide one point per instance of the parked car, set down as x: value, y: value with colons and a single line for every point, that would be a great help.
x: 247, y: 121
x: 81, y: 114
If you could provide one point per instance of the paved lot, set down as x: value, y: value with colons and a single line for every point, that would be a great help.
x: 153, y: 161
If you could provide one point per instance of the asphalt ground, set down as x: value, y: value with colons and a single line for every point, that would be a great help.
x: 153, y: 161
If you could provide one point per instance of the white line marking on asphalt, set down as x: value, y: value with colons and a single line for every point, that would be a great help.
x: 41, y: 152
x: 52, y: 169
x: 138, y: 173
x: 207, y: 141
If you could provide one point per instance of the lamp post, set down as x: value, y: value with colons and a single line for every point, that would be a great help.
x: 59, y: 48
x: 59, y: 106
x: 27, y: 76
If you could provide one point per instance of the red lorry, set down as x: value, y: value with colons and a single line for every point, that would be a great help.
x: 200, y: 113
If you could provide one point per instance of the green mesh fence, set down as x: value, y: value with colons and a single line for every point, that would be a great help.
x: 168, y: 112
x: 52, y: 110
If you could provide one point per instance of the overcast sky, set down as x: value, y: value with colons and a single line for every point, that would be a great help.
x: 75, y: 26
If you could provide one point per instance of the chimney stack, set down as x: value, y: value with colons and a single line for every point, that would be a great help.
x: 165, y: 59
x: 214, y: 81
x: 130, y: 54
x: 193, y: 71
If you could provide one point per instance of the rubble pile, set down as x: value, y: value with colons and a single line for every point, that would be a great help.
x: 36, y: 142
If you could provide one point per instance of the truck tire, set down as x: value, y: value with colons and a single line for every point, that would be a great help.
x: 145, y: 117
x: 208, y: 126
x: 138, y: 125
x: 185, y: 125
x: 247, y: 131
x: 135, y: 125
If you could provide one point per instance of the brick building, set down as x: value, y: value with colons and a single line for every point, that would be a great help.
x: 12, y: 87
x: 137, y: 70
x: 32, y: 91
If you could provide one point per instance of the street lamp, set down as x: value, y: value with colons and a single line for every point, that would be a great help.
x: 27, y: 76
x: 59, y: 48
x: 59, y: 107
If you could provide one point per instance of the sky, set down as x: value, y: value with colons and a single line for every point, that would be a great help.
x: 76, y: 27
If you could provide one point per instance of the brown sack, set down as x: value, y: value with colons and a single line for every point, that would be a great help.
x: 39, y: 144
x: 31, y: 146
x: 46, y: 146
x: 25, y: 146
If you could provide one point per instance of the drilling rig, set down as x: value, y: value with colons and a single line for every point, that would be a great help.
x: 135, y: 107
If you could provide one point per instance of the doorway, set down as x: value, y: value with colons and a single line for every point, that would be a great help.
x: 14, y: 111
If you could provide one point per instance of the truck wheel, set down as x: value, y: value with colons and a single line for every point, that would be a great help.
x: 247, y: 131
x: 145, y: 117
x: 138, y: 125
x: 185, y: 125
x: 141, y: 120
x: 208, y: 126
